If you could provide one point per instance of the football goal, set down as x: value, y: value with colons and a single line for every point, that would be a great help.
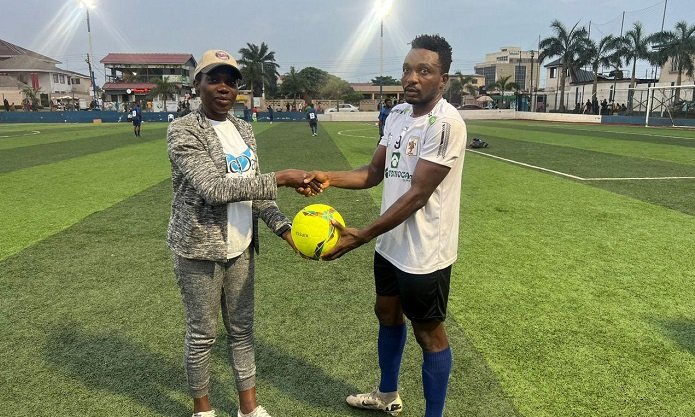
x: 671, y: 106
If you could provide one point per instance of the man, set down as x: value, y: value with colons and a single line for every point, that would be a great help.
x: 270, y: 113
x: 420, y: 161
x: 383, y: 114
x: 219, y: 193
x: 313, y: 118
x: 136, y: 115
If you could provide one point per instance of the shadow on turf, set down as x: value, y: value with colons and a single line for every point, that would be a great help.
x: 683, y: 332
x: 108, y: 361
x: 301, y: 380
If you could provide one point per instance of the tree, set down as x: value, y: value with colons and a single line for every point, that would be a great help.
x: 679, y: 45
x: 385, y: 80
x: 31, y: 96
x: 314, y: 80
x: 163, y: 88
x: 467, y: 83
x: 503, y: 84
x: 258, y: 67
x: 567, y: 45
x: 598, y: 55
x: 335, y: 88
x: 634, y: 46
x: 454, y: 91
x: 293, y: 85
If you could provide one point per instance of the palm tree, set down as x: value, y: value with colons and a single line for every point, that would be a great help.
x: 503, y: 84
x: 634, y: 46
x: 293, y: 85
x: 567, y: 45
x: 467, y: 83
x: 258, y: 66
x: 163, y: 88
x: 31, y: 96
x: 679, y: 45
x: 598, y: 55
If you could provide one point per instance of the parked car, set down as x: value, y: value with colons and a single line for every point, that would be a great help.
x: 343, y: 107
x: 470, y: 107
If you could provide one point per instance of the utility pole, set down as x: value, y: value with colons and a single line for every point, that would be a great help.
x: 615, y: 74
x: 663, y: 19
x: 89, y: 61
x: 530, y: 90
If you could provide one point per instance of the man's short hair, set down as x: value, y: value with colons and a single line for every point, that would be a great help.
x: 435, y: 43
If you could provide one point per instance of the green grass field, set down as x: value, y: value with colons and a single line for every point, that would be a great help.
x: 574, y: 293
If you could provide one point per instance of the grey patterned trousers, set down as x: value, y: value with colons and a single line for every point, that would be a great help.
x: 205, y: 287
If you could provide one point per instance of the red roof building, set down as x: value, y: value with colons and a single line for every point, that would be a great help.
x: 131, y: 76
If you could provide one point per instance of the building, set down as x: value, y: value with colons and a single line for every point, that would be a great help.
x: 57, y: 88
x: 522, y: 66
x: 612, y: 86
x: 130, y: 77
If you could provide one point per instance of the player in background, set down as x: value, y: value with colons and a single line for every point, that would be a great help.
x: 313, y: 118
x: 383, y: 114
x: 420, y: 161
x: 136, y: 117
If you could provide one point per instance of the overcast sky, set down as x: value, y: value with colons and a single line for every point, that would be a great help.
x: 339, y: 36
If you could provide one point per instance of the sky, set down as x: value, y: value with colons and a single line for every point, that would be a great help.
x: 338, y: 36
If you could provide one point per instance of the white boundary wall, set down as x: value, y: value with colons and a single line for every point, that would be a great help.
x: 372, y: 116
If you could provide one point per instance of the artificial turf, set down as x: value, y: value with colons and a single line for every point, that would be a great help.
x: 570, y: 298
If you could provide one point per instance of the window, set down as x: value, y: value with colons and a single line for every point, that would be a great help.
x: 520, y: 76
x: 75, y: 81
x: 552, y: 72
x: 490, y: 73
x: 674, y: 65
x: 55, y: 78
x: 62, y: 79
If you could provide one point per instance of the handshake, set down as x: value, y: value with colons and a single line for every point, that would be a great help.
x: 306, y: 183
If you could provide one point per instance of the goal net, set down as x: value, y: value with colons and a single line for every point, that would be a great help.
x: 671, y: 106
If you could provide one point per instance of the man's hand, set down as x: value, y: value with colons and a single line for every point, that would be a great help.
x: 316, y: 182
x: 303, y: 182
x: 350, y: 239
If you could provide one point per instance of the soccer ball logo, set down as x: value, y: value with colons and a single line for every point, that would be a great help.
x: 312, y: 231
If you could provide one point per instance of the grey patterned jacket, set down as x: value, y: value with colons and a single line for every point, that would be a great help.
x: 198, y: 222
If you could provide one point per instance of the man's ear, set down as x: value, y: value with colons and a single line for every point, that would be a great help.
x: 445, y: 80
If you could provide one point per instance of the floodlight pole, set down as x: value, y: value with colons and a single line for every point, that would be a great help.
x: 89, y: 59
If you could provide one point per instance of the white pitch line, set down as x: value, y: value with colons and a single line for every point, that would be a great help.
x: 33, y: 132
x: 342, y: 133
x: 576, y: 177
x: 613, y: 131
x: 528, y: 165
x: 638, y: 178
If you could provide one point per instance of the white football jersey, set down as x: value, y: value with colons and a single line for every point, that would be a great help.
x: 427, y: 241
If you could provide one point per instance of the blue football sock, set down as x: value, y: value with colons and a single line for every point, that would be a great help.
x: 436, y: 368
x: 390, y: 346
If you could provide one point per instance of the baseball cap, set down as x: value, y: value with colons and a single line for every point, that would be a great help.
x: 214, y: 58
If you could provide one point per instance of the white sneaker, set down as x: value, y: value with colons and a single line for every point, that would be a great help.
x: 258, y: 412
x: 376, y: 400
x: 210, y: 413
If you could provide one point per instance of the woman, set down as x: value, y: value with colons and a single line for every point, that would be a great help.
x: 219, y: 194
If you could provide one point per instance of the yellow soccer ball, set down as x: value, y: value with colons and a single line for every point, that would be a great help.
x: 312, y: 231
